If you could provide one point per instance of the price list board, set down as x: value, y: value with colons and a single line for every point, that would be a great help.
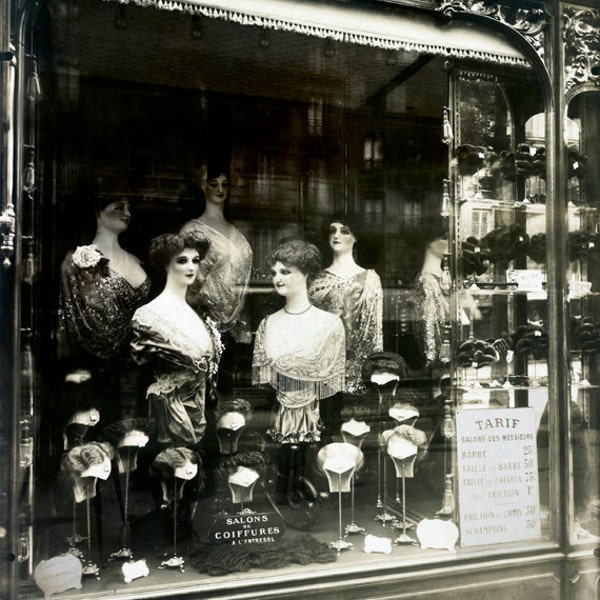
x: 497, y: 476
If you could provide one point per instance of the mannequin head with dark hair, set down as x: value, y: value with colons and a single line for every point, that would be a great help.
x: 165, y: 247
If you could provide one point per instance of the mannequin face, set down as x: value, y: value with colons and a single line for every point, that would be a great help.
x: 216, y: 189
x: 186, y: 471
x: 439, y: 247
x: 341, y: 238
x: 101, y: 470
x: 183, y: 267
x: 287, y: 281
x: 115, y: 217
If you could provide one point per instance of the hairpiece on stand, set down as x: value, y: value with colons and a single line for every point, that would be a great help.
x: 384, y: 363
x: 250, y: 459
x: 506, y: 243
x: 239, y: 472
x: 169, y: 460
x: 537, y: 247
x: 339, y: 462
x: 127, y: 434
x: 586, y: 335
x: 469, y: 158
x: 581, y: 243
x: 577, y: 162
x: 355, y: 410
x: 402, y: 411
x: 84, y: 464
x: 475, y: 257
x: 477, y: 353
x: 77, y: 404
x: 530, y: 339
x: 405, y: 441
x: 231, y: 416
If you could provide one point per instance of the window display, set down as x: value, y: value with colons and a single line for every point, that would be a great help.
x: 311, y: 329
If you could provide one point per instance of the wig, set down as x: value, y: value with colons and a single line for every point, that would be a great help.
x: 251, y: 459
x: 238, y: 405
x: 116, y: 432
x: 80, y: 458
x: 170, y: 459
x: 164, y: 247
x: 304, y: 256
x: 387, y: 362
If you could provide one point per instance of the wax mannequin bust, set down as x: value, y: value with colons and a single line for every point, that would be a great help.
x: 84, y: 465
x: 431, y: 295
x: 354, y: 293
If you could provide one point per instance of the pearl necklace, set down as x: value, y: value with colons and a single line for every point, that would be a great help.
x: 298, y: 313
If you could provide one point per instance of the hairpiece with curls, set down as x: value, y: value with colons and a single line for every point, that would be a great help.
x: 297, y: 253
x: 164, y: 247
x: 170, y: 459
x: 251, y: 459
x: 234, y: 405
x: 80, y: 458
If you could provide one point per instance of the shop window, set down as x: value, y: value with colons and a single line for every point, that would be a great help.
x: 245, y: 409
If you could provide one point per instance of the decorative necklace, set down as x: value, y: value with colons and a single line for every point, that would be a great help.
x: 298, y: 313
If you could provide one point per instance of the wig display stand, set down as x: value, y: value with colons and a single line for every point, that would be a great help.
x: 90, y: 569
x: 404, y: 538
x: 229, y: 430
x: 402, y: 445
x: 381, y: 381
x: 75, y: 538
x: 403, y: 413
x: 384, y: 517
x: 340, y: 544
x: 125, y: 552
x: 339, y: 462
x: 354, y: 432
x: 241, y: 484
x: 175, y: 561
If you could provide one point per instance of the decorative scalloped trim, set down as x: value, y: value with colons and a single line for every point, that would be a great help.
x: 338, y: 35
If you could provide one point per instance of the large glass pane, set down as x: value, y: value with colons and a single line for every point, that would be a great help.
x: 581, y: 126
x: 501, y: 356
x: 218, y: 409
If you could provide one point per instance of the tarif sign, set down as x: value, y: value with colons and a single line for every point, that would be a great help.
x: 498, y: 486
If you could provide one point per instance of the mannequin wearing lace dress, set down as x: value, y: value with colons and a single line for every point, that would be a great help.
x: 356, y: 296
x: 220, y: 291
x: 183, y: 347
x: 432, y: 301
x: 305, y: 369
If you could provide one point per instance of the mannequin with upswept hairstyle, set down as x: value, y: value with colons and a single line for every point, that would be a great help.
x: 182, y: 346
